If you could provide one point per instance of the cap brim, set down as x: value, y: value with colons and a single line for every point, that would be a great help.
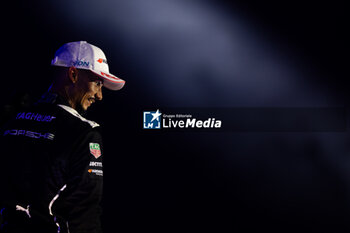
x: 110, y: 81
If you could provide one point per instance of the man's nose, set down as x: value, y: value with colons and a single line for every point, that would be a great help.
x: 99, y: 94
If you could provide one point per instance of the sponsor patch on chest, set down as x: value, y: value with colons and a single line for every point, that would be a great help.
x: 95, y: 149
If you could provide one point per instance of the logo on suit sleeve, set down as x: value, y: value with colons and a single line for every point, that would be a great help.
x: 95, y: 149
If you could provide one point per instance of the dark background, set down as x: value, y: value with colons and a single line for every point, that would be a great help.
x: 202, y: 54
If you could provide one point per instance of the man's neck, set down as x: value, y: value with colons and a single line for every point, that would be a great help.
x: 52, y: 97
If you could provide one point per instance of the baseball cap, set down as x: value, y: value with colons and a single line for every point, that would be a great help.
x: 83, y: 55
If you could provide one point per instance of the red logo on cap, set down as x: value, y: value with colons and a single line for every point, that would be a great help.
x: 102, y: 60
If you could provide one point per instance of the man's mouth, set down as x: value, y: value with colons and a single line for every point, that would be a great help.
x: 91, y: 100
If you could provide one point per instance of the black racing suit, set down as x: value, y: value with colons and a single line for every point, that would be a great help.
x: 51, y: 170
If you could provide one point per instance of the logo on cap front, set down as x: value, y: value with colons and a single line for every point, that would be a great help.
x: 102, y: 60
x: 81, y: 63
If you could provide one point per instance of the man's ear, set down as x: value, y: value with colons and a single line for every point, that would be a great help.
x: 73, y: 74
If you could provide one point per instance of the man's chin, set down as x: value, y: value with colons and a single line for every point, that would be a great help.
x: 82, y: 110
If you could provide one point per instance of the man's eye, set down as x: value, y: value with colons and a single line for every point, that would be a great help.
x: 99, y: 83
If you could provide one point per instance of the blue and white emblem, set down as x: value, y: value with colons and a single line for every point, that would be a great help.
x: 152, y: 120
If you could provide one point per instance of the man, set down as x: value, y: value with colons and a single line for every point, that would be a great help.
x: 51, y: 159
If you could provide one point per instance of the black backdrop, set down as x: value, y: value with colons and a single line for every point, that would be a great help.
x: 202, y: 54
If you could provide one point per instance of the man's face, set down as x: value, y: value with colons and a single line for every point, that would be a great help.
x: 88, y: 89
